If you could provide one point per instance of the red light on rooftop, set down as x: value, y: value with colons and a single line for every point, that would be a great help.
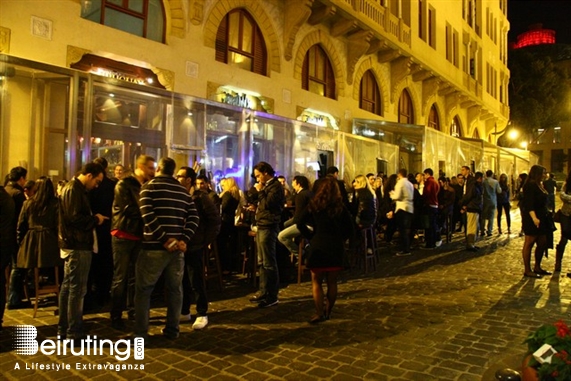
x: 535, y: 36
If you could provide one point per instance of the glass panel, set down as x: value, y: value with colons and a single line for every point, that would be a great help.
x: 247, y: 35
x: 124, y: 22
x: 92, y: 11
x: 234, y: 30
x: 155, y: 21
x: 320, y: 64
x: 136, y: 5
x: 316, y: 87
x: 188, y: 126
x: 116, y: 2
x: 311, y: 61
x: 273, y: 144
x: 241, y: 61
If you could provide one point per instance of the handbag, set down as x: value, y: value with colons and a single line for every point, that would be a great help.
x: 557, y: 217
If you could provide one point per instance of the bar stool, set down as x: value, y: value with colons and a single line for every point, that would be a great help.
x: 211, y: 263
x: 366, y: 250
x: 250, y: 258
x: 43, y: 290
x: 300, y: 259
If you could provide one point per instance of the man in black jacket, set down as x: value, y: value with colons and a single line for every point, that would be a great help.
x: 76, y: 241
x: 271, y: 200
x: 127, y: 232
x: 205, y: 234
x: 15, y: 188
x: 300, y: 184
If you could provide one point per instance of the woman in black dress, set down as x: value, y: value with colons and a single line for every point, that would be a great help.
x: 332, y: 226
x: 504, y: 203
x: 536, y: 221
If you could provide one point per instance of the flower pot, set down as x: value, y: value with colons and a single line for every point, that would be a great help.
x: 527, y: 372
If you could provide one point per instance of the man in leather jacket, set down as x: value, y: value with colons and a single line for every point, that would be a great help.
x: 472, y: 203
x: 271, y: 200
x: 127, y: 232
x: 76, y: 241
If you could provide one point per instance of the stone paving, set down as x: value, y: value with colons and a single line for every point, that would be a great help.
x: 445, y: 314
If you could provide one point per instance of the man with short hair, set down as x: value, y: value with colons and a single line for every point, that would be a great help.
x: 334, y: 171
x: 119, y: 172
x: 550, y: 186
x: 15, y: 188
x: 170, y: 220
x: 403, y: 194
x: 371, y: 179
x: 491, y: 188
x: 303, y: 195
x: 270, y: 199
x: 471, y: 203
x: 430, y: 197
x: 77, y: 243
x: 127, y: 233
x: 204, y: 236
x: 203, y: 183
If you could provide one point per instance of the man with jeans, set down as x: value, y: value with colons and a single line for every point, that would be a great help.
x: 300, y: 185
x: 127, y: 232
x: 491, y: 189
x: 471, y: 203
x: 193, y: 285
x: 170, y: 219
x: 403, y: 194
x: 76, y: 241
x: 430, y: 197
x: 271, y: 199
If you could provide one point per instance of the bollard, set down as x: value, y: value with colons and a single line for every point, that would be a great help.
x: 508, y: 374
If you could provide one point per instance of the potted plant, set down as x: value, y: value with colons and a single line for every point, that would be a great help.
x: 555, y: 365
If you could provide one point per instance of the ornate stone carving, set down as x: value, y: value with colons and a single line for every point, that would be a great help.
x: 452, y: 101
x: 375, y: 45
x: 166, y: 77
x: 429, y: 89
x: 473, y: 114
x: 343, y: 27
x: 196, y: 11
x: 75, y: 54
x: 400, y: 69
x: 297, y: 12
x: 357, y: 45
x: 387, y: 55
x: 4, y: 40
x: 321, y: 14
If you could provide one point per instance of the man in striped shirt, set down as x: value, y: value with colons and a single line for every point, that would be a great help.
x: 171, y: 219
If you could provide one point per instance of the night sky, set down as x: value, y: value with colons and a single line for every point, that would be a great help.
x: 553, y: 14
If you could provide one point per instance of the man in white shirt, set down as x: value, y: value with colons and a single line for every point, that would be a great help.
x: 403, y: 194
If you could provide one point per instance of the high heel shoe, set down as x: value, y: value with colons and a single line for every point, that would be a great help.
x: 316, y: 319
x: 541, y: 271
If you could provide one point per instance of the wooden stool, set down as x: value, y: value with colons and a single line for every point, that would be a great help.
x: 300, y: 259
x: 44, y: 290
x: 250, y: 259
x: 366, y: 250
x: 211, y: 263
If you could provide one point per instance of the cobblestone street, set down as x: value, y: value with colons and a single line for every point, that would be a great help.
x: 445, y: 314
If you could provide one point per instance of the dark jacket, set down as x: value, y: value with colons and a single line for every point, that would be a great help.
x: 76, y: 222
x: 126, y: 215
x: 271, y: 200
x: 17, y: 193
x: 7, y: 232
x: 209, y: 222
x: 367, y: 212
x: 473, y: 200
x: 228, y: 208
x: 302, y: 200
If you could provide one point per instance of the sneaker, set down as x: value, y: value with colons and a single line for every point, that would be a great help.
x: 258, y: 298
x: 268, y: 303
x: 184, y: 318
x: 438, y: 243
x: 403, y: 253
x: 200, y: 322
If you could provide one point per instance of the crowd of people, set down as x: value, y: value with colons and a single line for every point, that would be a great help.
x: 116, y: 236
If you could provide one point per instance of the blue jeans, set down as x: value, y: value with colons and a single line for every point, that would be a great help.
x: 125, y: 253
x: 72, y: 292
x: 287, y: 236
x: 269, y: 276
x: 193, y: 283
x: 487, y: 217
x: 150, y: 265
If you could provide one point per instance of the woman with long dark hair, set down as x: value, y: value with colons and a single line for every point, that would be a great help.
x: 332, y: 226
x: 504, y: 203
x: 536, y: 221
x: 38, y: 228
x: 565, y: 222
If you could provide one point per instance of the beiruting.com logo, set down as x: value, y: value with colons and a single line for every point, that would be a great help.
x: 26, y: 343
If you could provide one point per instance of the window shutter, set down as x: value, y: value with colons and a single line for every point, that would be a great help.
x: 260, y: 65
x: 330, y: 80
x: 222, y: 41
x: 305, y: 72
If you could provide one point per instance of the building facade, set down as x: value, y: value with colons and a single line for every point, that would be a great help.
x: 229, y: 82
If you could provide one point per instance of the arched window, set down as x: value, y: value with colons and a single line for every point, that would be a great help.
x: 145, y: 18
x: 406, y: 112
x: 317, y: 73
x: 456, y: 127
x: 433, y: 119
x: 239, y: 42
x: 369, y: 95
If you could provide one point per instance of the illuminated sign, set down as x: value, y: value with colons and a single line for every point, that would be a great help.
x: 319, y: 119
x: 119, y: 76
x: 240, y: 100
